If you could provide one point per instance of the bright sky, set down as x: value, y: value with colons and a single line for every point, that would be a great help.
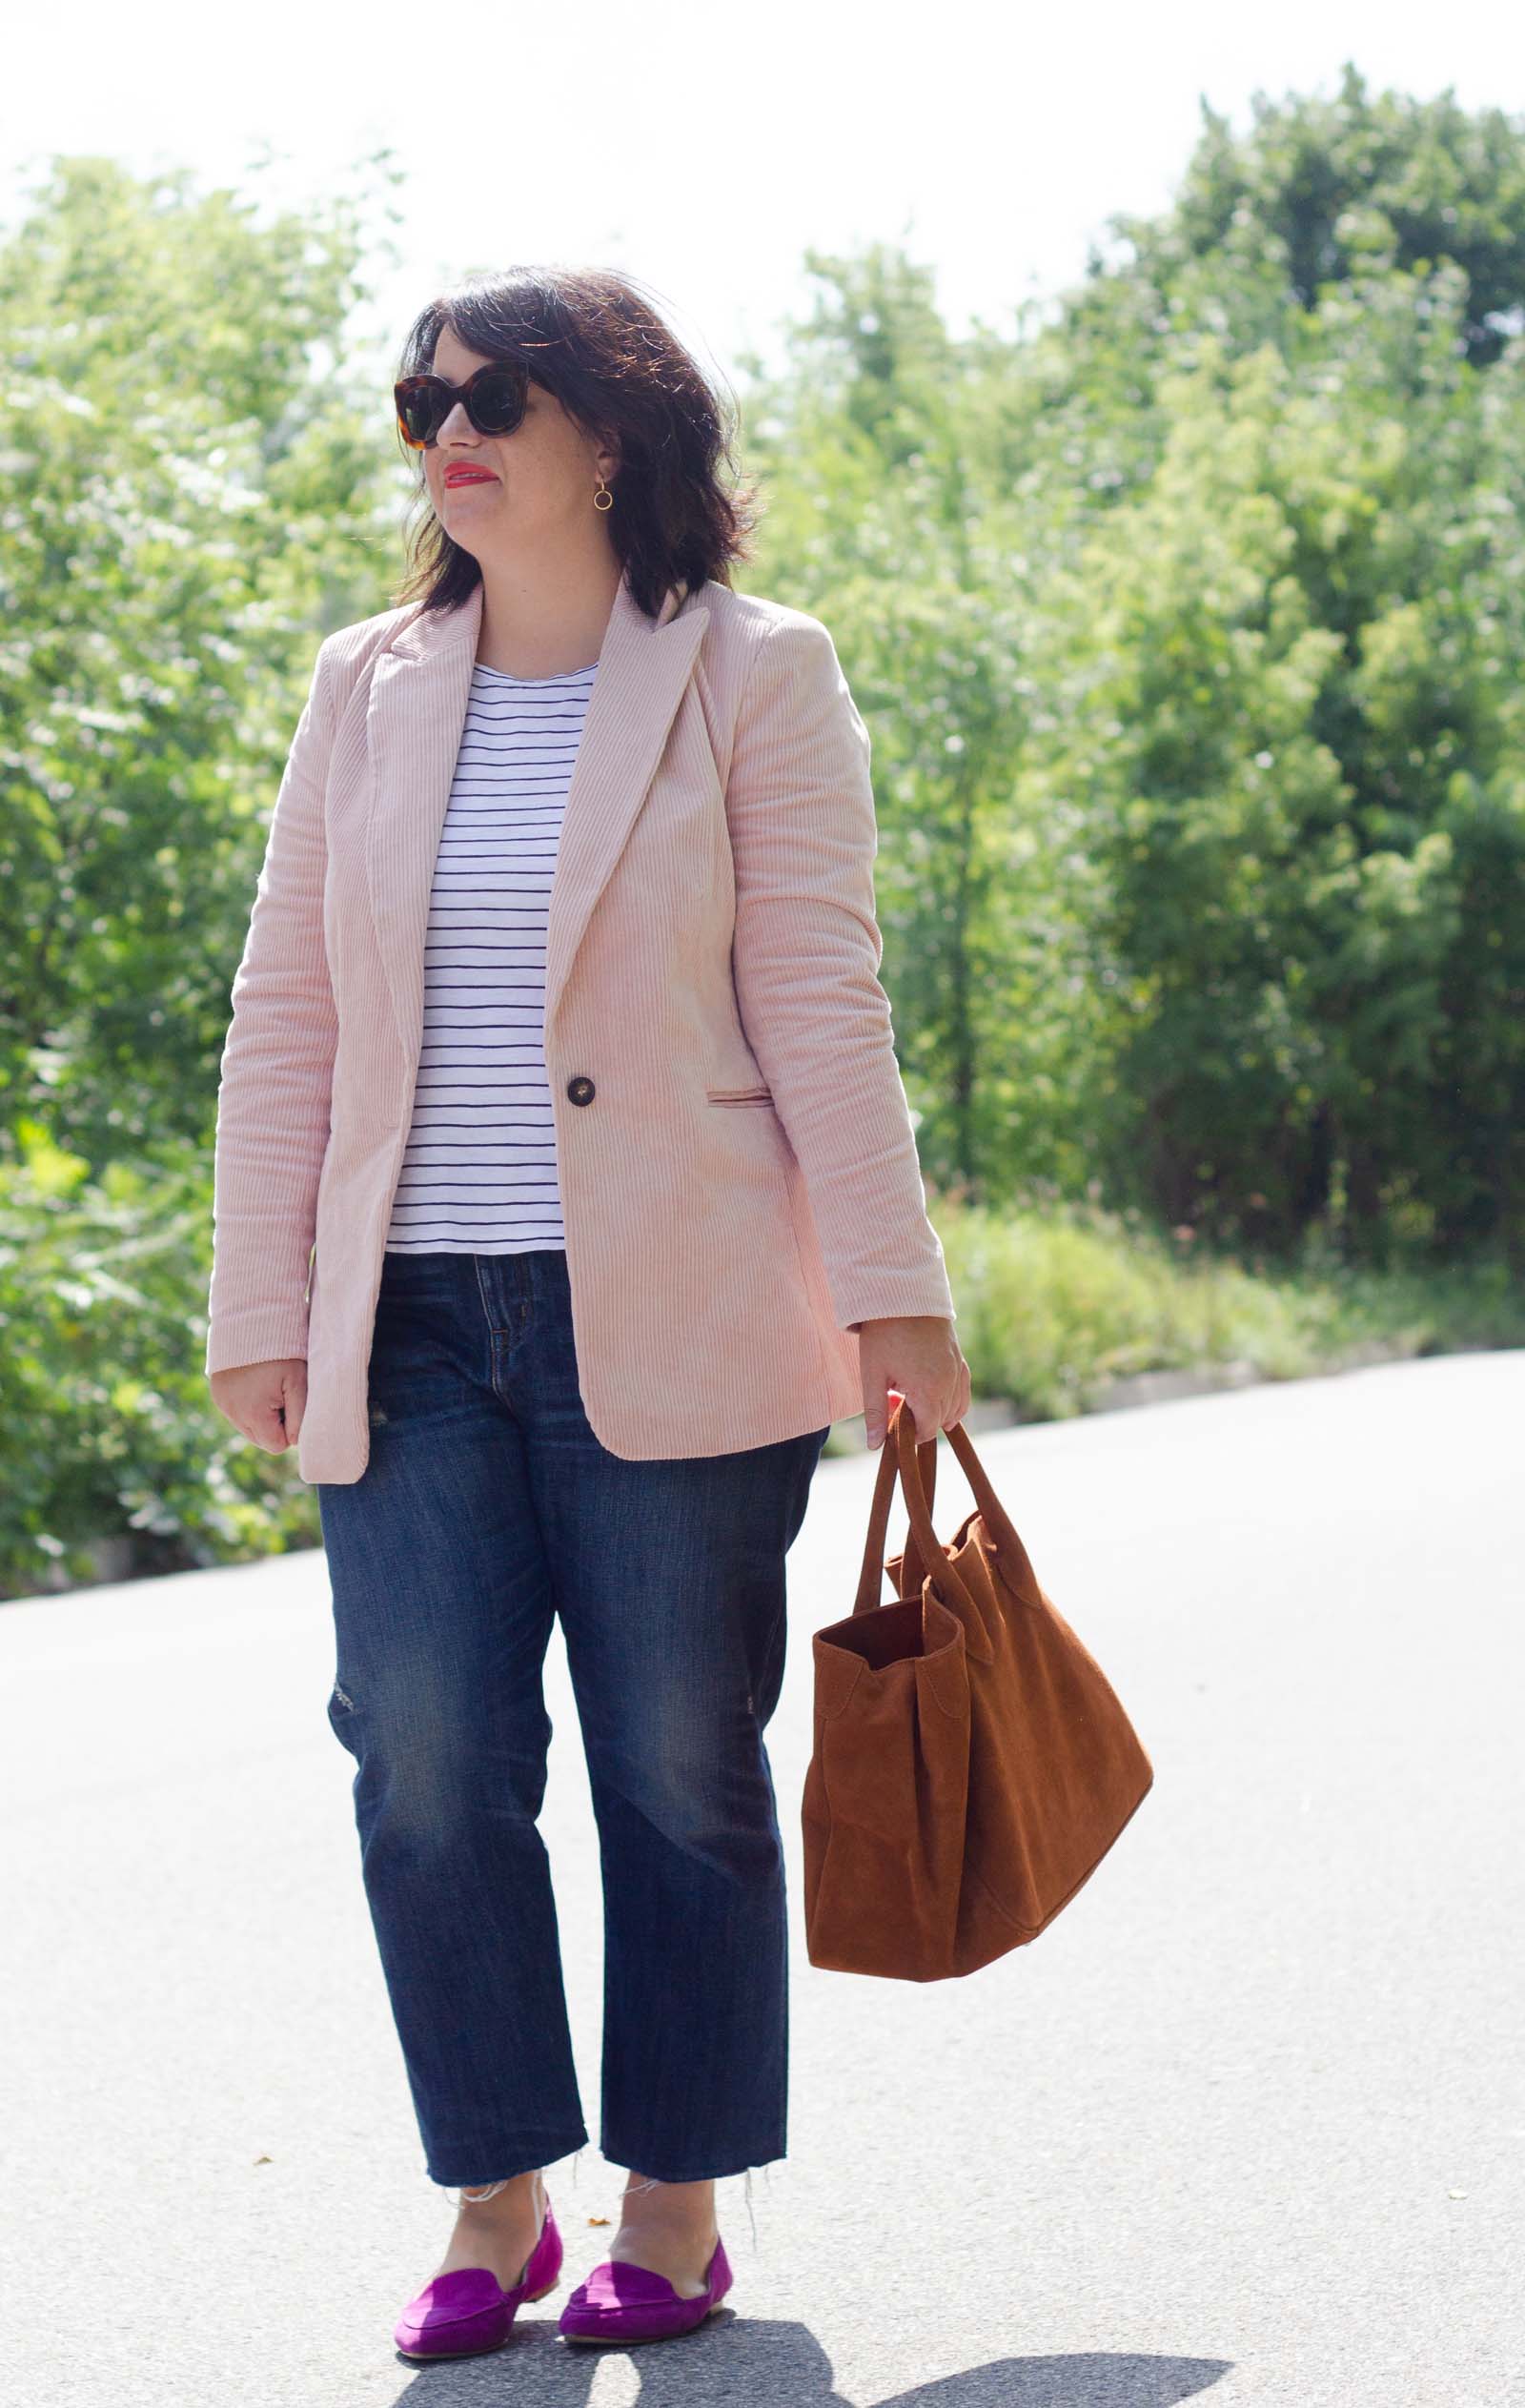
x: 703, y: 150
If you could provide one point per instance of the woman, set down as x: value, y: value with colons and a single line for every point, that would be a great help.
x: 565, y: 1193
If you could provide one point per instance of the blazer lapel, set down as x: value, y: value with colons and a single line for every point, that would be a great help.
x: 413, y: 719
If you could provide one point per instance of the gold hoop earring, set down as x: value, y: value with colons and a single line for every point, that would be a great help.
x: 604, y: 498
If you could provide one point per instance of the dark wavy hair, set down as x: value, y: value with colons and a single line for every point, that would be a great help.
x: 589, y: 337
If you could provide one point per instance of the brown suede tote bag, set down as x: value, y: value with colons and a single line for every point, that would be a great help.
x: 971, y: 1763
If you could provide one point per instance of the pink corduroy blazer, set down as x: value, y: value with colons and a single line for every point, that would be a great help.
x: 738, y: 1167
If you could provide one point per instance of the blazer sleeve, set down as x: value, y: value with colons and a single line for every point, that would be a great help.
x: 805, y: 956
x: 276, y: 1071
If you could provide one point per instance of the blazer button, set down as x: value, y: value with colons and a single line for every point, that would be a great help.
x: 582, y: 1089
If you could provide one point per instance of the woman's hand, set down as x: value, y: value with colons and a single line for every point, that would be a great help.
x: 916, y: 1357
x: 253, y: 1397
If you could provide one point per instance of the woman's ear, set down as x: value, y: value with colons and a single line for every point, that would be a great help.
x: 607, y: 452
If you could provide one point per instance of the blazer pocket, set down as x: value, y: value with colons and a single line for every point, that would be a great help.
x: 739, y: 1094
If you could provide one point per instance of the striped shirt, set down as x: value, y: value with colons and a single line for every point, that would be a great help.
x: 480, y: 1170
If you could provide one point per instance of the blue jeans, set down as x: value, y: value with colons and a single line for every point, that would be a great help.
x: 486, y: 1508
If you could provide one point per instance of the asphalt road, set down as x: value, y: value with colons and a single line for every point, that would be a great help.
x: 1246, y: 2123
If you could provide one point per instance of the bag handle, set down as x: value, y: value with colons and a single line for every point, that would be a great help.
x: 872, y: 1578
x: 907, y: 1460
x: 927, y: 1466
x: 912, y: 1567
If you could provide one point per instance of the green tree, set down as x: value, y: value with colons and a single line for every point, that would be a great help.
x: 192, y: 497
x: 1189, y: 622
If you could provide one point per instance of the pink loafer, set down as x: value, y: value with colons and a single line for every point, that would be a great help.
x: 624, y: 2303
x: 466, y: 2312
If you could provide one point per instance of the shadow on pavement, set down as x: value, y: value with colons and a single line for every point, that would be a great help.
x: 784, y: 2366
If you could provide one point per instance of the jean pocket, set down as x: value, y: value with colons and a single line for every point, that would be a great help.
x: 419, y: 1275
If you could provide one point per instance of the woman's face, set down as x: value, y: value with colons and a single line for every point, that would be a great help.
x: 540, y: 479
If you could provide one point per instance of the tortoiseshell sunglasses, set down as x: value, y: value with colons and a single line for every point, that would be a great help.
x: 492, y: 398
